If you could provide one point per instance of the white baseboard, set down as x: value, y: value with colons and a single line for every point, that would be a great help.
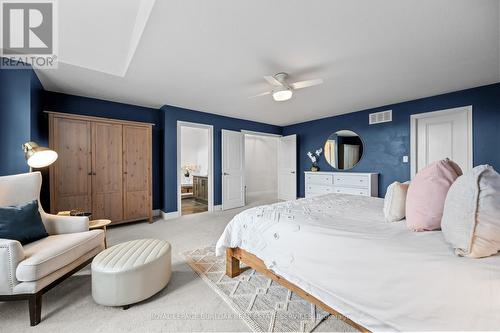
x: 169, y: 215
x: 217, y: 208
x: 156, y: 212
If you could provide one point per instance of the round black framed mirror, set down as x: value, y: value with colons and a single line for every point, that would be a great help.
x: 343, y: 149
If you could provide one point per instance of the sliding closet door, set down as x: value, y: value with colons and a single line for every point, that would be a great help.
x: 137, y: 171
x: 71, y: 173
x: 107, y: 170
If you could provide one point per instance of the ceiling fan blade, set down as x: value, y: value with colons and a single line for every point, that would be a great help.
x: 262, y: 94
x: 306, y: 84
x: 272, y: 80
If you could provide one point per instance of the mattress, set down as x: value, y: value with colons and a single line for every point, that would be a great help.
x: 384, y: 277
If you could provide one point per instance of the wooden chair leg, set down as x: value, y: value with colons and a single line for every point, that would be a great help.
x: 232, y: 264
x: 35, y: 308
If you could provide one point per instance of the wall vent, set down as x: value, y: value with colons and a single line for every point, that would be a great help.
x: 380, y: 117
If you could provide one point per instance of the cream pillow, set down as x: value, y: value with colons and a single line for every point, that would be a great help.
x: 395, y: 201
x: 471, y: 216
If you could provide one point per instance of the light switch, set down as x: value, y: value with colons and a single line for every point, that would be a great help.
x: 405, y: 159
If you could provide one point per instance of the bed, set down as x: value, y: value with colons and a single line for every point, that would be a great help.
x: 337, y: 251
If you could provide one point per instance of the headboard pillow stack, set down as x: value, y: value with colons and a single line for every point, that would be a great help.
x: 471, y: 217
x: 427, y: 193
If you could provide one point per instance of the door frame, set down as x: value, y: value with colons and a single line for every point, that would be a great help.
x: 261, y: 133
x: 210, y: 163
x: 413, y: 134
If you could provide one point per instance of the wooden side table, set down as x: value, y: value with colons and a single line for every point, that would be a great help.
x: 100, y: 224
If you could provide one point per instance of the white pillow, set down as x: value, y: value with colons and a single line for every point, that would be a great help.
x: 395, y: 202
x: 471, y: 216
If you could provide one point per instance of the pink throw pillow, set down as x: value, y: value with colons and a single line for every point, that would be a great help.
x: 427, y: 194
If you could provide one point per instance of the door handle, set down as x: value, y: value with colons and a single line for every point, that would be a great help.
x: 225, y: 174
x: 293, y: 172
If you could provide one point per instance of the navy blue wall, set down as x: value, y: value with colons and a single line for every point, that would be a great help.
x: 22, y: 100
x: 171, y: 116
x: 386, y: 143
x: 17, y: 104
x: 95, y: 107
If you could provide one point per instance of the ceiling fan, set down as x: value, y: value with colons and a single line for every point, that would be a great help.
x: 282, y: 90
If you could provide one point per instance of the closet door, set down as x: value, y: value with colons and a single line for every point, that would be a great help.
x: 137, y: 171
x: 71, y: 174
x: 107, y: 169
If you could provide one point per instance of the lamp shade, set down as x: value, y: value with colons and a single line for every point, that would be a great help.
x: 38, y: 157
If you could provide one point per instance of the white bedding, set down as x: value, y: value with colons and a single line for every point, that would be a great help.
x: 381, y: 275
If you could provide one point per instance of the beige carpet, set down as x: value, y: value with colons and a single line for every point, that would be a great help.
x: 187, y: 304
x: 262, y: 303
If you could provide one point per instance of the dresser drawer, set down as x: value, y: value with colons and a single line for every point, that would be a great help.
x: 351, y: 180
x: 319, y: 189
x: 320, y: 179
x: 351, y: 190
x: 309, y: 194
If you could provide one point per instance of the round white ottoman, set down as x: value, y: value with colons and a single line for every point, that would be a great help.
x: 130, y: 272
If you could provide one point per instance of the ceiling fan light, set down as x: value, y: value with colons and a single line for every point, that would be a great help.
x: 282, y: 95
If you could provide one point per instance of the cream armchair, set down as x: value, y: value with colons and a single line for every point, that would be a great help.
x: 28, y: 271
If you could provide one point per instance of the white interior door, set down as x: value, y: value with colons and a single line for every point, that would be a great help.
x: 351, y: 156
x: 233, y: 169
x: 287, y: 168
x: 442, y: 134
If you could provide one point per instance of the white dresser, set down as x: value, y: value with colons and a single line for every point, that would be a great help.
x: 318, y: 183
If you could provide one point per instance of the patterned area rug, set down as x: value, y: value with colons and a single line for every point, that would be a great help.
x: 262, y: 303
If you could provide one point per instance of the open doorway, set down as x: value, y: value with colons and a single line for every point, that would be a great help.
x: 194, y: 165
x: 261, y: 167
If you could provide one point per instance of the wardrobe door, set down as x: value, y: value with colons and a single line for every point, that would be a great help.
x: 137, y: 171
x: 71, y: 173
x: 107, y: 169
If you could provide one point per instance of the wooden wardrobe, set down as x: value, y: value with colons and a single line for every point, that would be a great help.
x: 104, y: 167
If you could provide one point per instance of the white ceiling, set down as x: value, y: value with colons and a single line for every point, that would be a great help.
x: 211, y: 55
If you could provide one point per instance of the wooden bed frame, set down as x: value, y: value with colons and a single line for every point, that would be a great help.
x: 236, y: 255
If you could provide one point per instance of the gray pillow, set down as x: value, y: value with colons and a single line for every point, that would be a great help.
x: 471, y: 216
x: 22, y: 223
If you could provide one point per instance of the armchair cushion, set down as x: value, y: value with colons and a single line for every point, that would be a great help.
x: 57, y: 224
x: 54, y: 252
x: 11, y: 253
x: 22, y: 222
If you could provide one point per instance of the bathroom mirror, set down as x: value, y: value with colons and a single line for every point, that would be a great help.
x: 343, y: 149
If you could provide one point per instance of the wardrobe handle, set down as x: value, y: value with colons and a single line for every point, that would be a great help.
x: 89, y: 174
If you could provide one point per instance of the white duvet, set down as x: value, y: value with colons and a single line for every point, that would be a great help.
x: 381, y: 275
